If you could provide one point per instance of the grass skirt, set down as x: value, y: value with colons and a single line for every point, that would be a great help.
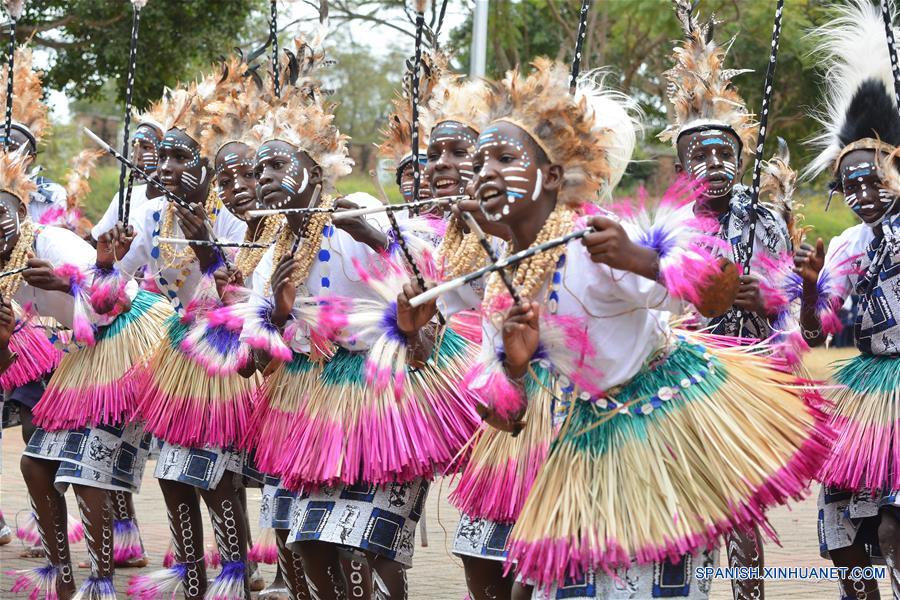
x: 183, y: 405
x: 100, y: 384
x: 866, y: 417
x: 37, y: 356
x: 501, y: 468
x: 323, y: 424
x: 701, y: 441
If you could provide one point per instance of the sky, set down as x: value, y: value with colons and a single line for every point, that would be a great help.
x: 371, y: 35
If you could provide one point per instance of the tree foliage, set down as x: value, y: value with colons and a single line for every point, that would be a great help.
x: 91, y: 41
x: 634, y: 39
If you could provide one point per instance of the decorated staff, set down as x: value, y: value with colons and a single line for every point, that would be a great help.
x: 579, y: 43
x: 414, y: 99
x: 14, y: 8
x: 761, y: 137
x: 125, y: 195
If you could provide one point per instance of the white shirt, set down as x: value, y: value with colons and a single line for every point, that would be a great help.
x: 58, y: 246
x: 625, y: 315
x: 48, y: 196
x: 178, y: 284
x: 844, y: 252
x: 111, y: 216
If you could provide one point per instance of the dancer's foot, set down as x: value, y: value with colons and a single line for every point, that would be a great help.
x: 6, y: 535
x: 257, y: 583
x: 36, y: 551
x: 275, y: 593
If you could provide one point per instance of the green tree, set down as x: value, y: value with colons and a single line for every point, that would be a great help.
x: 91, y: 41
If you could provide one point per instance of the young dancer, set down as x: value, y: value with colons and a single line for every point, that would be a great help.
x: 199, y: 417
x: 713, y: 135
x: 145, y: 145
x: 566, y: 148
x: 85, y: 435
x: 859, y: 519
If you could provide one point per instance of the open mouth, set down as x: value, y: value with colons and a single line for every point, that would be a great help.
x: 492, y: 201
x: 446, y: 185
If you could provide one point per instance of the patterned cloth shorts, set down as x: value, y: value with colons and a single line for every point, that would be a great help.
x: 377, y: 519
x: 104, y: 456
x: 846, y: 518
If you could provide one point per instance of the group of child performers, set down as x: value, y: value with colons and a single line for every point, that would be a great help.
x: 604, y: 438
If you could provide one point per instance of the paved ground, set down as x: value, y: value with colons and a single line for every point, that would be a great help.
x: 437, y: 575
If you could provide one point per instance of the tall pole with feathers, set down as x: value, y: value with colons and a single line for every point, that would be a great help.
x: 125, y: 195
x: 15, y: 9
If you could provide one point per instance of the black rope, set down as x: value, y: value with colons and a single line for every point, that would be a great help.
x: 9, y: 81
x: 440, y: 23
x: 273, y: 37
x: 761, y: 139
x: 125, y: 196
x: 579, y: 43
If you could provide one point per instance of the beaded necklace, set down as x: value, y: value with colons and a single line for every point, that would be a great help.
x: 459, y: 253
x: 17, y: 259
x: 529, y: 275
x: 318, y: 226
x: 248, y: 258
x: 177, y: 258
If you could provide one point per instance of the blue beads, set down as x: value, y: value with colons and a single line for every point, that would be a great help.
x: 327, y: 231
x: 326, y: 283
x: 324, y: 255
x: 155, y: 252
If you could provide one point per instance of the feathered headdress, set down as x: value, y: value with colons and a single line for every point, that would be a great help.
x: 860, y: 110
x: 29, y: 110
x: 397, y: 135
x: 236, y: 103
x: 591, y: 134
x: 700, y: 88
x: 309, y: 126
x: 14, y: 177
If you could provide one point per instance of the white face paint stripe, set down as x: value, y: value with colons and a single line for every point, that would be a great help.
x: 538, y: 183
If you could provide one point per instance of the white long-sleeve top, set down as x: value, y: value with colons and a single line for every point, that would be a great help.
x: 177, y: 282
x: 58, y: 246
x: 111, y: 216
x: 626, y: 315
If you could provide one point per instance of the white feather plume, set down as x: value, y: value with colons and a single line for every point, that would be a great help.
x: 139, y: 4
x: 617, y: 117
x: 852, y: 49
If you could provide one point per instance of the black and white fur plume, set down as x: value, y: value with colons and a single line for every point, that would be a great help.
x: 859, y: 84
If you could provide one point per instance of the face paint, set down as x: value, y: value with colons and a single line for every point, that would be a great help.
x: 180, y: 166
x: 283, y: 173
x: 146, y: 147
x: 862, y: 186
x: 711, y: 156
x: 506, y: 172
x: 10, y: 222
x: 235, y: 179
x: 450, y: 152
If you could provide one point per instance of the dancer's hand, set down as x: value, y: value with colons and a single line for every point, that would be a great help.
x: 114, y: 245
x: 611, y: 246
x: 224, y: 278
x: 749, y: 296
x: 521, y: 335
x: 283, y: 290
x: 358, y: 227
x: 7, y: 323
x: 809, y: 262
x: 41, y: 274
x: 410, y: 320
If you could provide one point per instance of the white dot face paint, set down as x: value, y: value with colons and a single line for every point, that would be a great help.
x: 450, y: 152
x: 862, y: 187
x: 283, y: 174
x: 236, y: 181
x: 507, y: 172
x: 180, y: 164
x: 711, y: 156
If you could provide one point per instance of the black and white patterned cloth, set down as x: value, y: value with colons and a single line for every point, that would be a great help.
x: 877, y: 327
x: 771, y: 238
x: 659, y: 580
x: 204, y: 467
x: 376, y: 519
x: 105, y: 456
x: 846, y: 517
x: 276, y: 506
